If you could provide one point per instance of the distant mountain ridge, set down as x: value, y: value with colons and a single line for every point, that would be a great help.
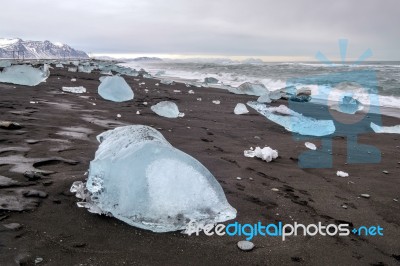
x: 18, y: 48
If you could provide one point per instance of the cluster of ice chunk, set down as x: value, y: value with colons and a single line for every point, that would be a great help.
x: 25, y: 75
x: 167, y: 109
x: 115, y: 88
x: 267, y: 154
x: 137, y: 176
x: 293, y: 121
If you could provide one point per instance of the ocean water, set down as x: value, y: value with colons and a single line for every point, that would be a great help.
x: 357, y: 80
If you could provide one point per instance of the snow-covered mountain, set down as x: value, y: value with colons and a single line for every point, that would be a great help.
x: 11, y: 48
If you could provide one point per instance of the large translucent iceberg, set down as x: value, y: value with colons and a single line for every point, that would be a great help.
x: 293, y: 121
x: 167, y: 109
x: 24, y: 75
x: 248, y: 88
x: 382, y: 129
x: 137, y: 176
x: 115, y: 89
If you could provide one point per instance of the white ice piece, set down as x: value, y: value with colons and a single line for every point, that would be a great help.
x: 79, y: 89
x: 240, y: 109
x: 167, y: 109
x: 267, y: 154
x: 138, y: 177
x: 24, y: 75
x: 216, y: 102
x: 382, y: 129
x: 310, y: 145
x: 342, y: 174
x: 115, y: 88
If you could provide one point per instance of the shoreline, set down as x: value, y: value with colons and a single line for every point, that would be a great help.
x: 65, y: 125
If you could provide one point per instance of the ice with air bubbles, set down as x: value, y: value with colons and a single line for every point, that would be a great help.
x: 138, y: 177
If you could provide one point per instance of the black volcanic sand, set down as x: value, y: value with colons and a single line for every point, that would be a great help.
x: 59, y: 134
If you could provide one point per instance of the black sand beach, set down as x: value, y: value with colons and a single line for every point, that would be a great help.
x: 60, y: 130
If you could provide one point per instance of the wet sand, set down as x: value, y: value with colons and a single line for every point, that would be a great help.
x: 58, y: 137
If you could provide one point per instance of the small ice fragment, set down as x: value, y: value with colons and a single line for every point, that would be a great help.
x: 238, y: 178
x: 342, y: 174
x: 138, y: 112
x: 191, y: 92
x: 264, y: 99
x: 199, y: 99
x: 167, y: 109
x: 167, y: 82
x: 210, y: 80
x: 59, y: 65
x: 349, y: 105
x: 216, y: 102
x: 382, y: 129
x: 145, y: 103
x: 118, y: 115
x: 73, y: 80
x: 115, y: 88
x: 367, y: 196
x: 177, y: 91
x: 240, y: 109
x: 74, y: 89
x: 267, y: 154
x: 310, y: 145
x: 245, y: 245
x: 157, y: 84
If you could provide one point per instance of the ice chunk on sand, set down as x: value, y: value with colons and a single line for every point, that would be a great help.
x: 79, y: 89
x: 216, y: 102
x: 72, y: 69
x: 137, y: 176
x: 349, y: 105
x: 115, y: 89
x: 310, y: 145
x: 240, y: 109
x: 167, y: 109
x: 59, y: 65
x: 342, y: 174
x: 264, y: 98
x: 24, y: 75
x: 5, y: 63
x: 382, y: 129
x: 275, y: 95
x: 248, y: 88
x: 293, y: 121
x: 210, y: 80
x: 267, y: 154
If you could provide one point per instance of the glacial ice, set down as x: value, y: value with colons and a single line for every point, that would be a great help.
x: 72, y: 69
x: 115, y: 88
x: 293, y: 121
x: 138, y: 177
x: 79, y: 89
x: 240, y: 109
x: 267, y: 154
x: 310, y: 146
x: 342, y: 174
x: 167, y: 109
x: 256, y: 89
x: 59, y: 65
x: 382, y: 129
x: 275, y: 95
x: 349, y: 105
x: 264, y: 98
x: 5, y: 63
x: 24, y: 75
x: 210, y: 80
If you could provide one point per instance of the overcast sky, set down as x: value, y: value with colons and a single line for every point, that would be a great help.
x: 297, y: 28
